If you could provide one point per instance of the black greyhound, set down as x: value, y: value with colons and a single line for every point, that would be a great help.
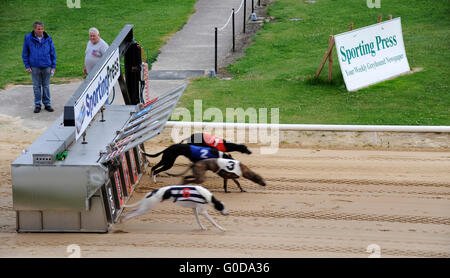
x: 210, y: 141
x: 193, y: 153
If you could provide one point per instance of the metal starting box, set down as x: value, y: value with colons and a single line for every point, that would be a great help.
x: 78, y: 175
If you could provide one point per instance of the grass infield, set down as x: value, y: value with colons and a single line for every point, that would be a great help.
x: 278, y: 67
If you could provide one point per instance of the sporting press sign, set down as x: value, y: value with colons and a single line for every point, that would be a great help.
x: 371, y: 54
x: 96, y: 93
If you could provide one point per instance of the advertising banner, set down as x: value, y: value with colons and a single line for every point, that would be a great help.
x: 96, y: 93
x: 371, y: 54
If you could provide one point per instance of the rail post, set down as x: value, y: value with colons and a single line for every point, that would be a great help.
x: 215, y: 49
x: 232, y: 23
x: 245, y: 13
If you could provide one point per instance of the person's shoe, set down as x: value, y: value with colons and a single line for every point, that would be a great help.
x: 37, y: 109
x: 49, y: 108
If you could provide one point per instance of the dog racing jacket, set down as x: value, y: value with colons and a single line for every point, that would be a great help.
x: 184, y: 194
x: 230, y: 166
x: 200, y: 153
x: 214, y: 141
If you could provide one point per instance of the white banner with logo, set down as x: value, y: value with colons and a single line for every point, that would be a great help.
x: 371, y: 54
x: 96, y: 93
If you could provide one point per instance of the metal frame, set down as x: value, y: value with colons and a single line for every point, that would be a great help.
x: 147, y: 126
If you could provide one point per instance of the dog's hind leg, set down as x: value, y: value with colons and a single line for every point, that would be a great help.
x: 146, y: 205
x: 161, y: 168
x: 154, y: 169
x: 239, y: 185
x: 189, y: 179
x: 193, y: 179
x: 164, y: 168
x: 132, y: 214
x: 206, y: 215
x: 198, y: 220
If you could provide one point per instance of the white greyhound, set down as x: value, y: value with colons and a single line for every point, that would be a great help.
x: 195, y: 197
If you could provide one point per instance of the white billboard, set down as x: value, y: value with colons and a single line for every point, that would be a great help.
x: 96, y: 93
x: 371, y: 54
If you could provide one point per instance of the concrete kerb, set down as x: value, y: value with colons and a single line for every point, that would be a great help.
x: 367, y: 140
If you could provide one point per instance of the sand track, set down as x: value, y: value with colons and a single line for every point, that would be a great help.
x: 318, y: 203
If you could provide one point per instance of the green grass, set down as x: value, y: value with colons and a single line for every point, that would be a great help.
x: 278, y: 67
x: 154, y: 21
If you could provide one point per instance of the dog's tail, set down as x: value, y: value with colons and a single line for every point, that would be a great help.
x: 180, y: 174
x: 152, y: 155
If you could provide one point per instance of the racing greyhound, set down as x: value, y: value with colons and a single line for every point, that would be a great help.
x: 226, y: 168
x: 193, y: 153
x: 208, y: 140
x: 195, y: 197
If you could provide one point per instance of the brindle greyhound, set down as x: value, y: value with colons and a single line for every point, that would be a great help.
x: 226, y: 168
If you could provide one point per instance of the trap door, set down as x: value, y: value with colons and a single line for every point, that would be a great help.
x: 117, y: 188
x: 132, y: 166
x: 110, y: 201
x: 126, y: 174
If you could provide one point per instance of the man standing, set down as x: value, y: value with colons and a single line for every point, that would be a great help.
x: 95, y: 49
x: 39, y: 58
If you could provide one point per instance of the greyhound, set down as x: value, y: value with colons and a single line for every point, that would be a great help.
x: 193, y: 153
x: 195, y: 197
x: 226, y: 168
x: 208, y: 140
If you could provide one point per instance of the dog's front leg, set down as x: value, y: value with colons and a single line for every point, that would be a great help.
x: 198, y: 220
x: 225, y: 181
x: 239, y: 185
x: 206, y: 215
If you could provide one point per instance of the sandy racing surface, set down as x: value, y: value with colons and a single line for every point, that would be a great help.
x: 318, y: 203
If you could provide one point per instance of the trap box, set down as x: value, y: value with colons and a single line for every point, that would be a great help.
x: 60, y: 184
x: 78, y: 175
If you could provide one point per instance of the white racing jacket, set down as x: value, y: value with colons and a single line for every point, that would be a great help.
x: 230, y: 166
x: 185, y: 194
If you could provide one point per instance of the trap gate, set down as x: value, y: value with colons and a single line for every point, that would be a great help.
x: 78, y: 175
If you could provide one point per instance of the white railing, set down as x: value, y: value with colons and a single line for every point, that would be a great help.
x: 314, y: 127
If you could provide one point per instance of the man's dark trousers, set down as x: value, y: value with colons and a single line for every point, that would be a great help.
x: 41, y: 86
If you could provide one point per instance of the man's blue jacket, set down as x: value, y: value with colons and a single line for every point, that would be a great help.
x: 37, y: 53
